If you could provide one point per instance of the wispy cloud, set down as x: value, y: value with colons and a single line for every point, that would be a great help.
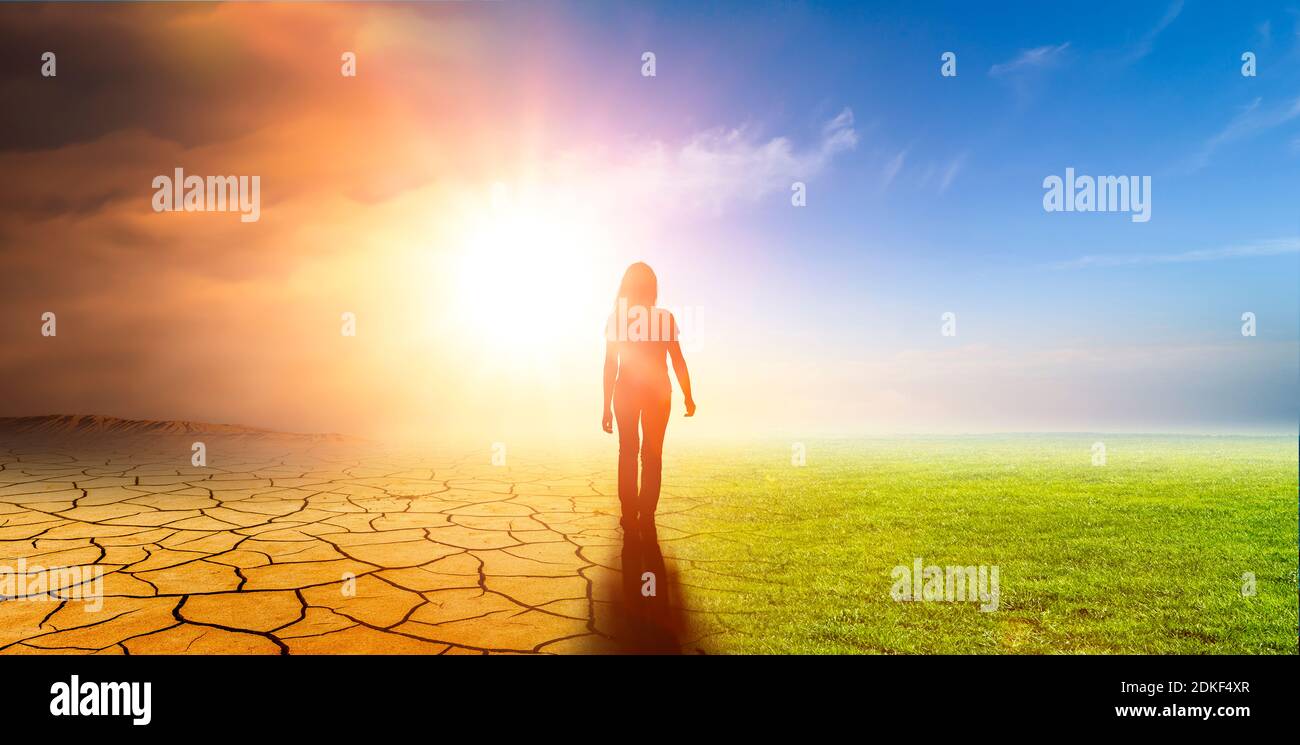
x: 1264, y: 33
x: 721, y: 166
x: 950, y: 173
x: 1252, y: 120
x: 1029, y: 59
x: 936, y: 175
x: 940, y: 175
x: 1272, y: 247
x: 892, y: 168
x: 1148, y: 40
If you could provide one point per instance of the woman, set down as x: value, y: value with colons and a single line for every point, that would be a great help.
x: 638, y: 339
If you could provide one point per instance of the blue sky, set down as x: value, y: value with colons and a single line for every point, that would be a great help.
x: 938, y: 206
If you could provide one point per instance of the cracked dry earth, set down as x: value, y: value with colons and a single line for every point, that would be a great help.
x: 324, y: 550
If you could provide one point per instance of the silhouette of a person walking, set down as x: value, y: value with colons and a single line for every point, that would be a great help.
x: 640, y: 338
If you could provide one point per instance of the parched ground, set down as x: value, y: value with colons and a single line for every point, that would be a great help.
x: 1175, y: 545
x: 318, y: 550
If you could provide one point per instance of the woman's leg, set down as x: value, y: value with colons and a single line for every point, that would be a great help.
x: 654, y: 422
x: 627, y: 411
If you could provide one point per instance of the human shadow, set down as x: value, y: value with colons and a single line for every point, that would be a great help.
x: 648, y: 621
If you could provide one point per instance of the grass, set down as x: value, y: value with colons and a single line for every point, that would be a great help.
x: 1145, y: 554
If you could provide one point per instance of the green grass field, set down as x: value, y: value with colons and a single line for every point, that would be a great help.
x: 1145, y: 554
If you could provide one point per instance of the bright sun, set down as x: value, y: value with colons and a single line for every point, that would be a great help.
x: 529, y: 278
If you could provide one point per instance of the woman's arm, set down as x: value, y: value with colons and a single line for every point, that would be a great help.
x: 611, y: 371
x: 683, y: 375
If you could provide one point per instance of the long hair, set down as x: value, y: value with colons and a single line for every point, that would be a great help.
x: 640, y: 286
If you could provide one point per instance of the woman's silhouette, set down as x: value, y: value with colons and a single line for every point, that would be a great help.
x: 639, y: 340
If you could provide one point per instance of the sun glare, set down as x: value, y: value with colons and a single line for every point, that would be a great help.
x: 527, y: 280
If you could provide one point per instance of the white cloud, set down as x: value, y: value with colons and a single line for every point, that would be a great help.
x: 712, y: 169
x: 940, y: 175
x: 892, y: 168
x: 720, y: 166
x: 950, y: 173
x: 1144, y: 46
x: 1030, y: 59
x: 1273, y: 247
x: 1250, y: 121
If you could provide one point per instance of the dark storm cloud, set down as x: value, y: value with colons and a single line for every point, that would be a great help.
x: 165, y: 70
